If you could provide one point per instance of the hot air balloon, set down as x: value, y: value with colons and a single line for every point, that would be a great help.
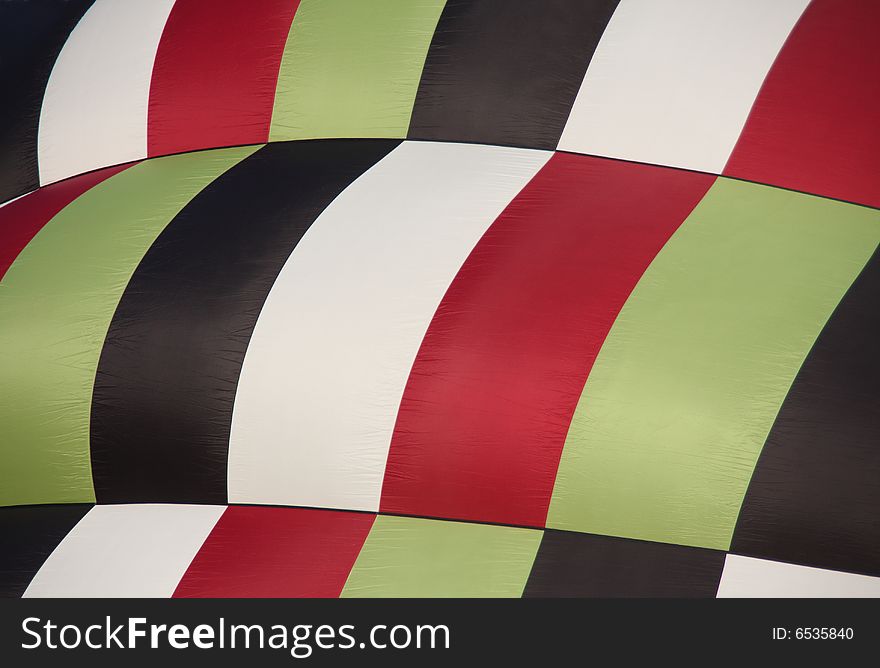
x: 440, y: 298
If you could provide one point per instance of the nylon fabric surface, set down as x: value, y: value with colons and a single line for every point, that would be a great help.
x: 351, y: 68
x: 56, y: 305
x: 344, y: 320
x: 813, y: 126
x: 699, y: 361
x: 812, y: 496
x: 488, y: 402
x: 166, y: 382
x: 439, y: 298
x: 407, y: 557
x: 31, y: 36
x: 506, y: 71
x: 215, y: 74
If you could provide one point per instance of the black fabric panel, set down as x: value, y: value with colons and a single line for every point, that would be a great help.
x: 31, y: 36
x: 166, y: 381
x: 29, y: 535
x: 588, y: 566
x: 506, y: 71
x: 814, y: 498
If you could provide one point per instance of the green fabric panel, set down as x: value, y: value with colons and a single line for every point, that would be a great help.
x: 409, y: 557
x: 56, y: 303
x: 351, y: 68
x: 692, y: 374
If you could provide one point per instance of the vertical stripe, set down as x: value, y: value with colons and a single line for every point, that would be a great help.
x: 586, y: 566
x: 351, y: 68
x: 56, y: 304
x: 408, y: 557
x: 334, y: 344
x: 168, y: 373
x: 491, y: 394
x: 815, y: 494
x: 506, y: 71
x: 31, y: 36
x: 814, y: 124
x: 134, y: 551
x: 95, y: 109
x: 23, y: 218
x: 693, y: 373
x: 276, y: 553
x: 215, y: 73
x: 745, y: 577
x: 30, y: 534
x: 672, y: 81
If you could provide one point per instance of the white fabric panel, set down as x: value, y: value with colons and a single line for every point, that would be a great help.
x: 672, y: 81
x: 135, y: 550
x: 94, y: 113
x: 331, y: 352
x: 746, y: 577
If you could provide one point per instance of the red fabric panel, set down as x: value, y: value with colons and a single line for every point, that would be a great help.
x: 21, y: 219
x: 215, y: 74
x: 489, y: 400
x: 815, y: 125
x: 269, y: 552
